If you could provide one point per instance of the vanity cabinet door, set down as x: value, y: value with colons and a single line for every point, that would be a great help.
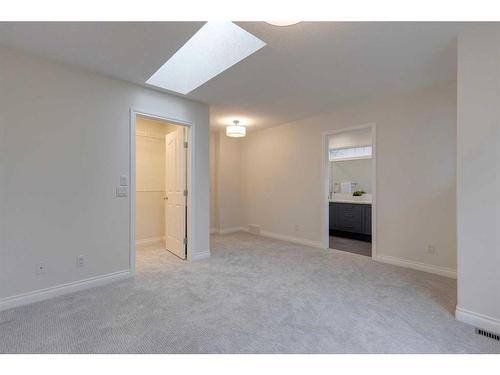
x: 331, y: 214
x: 367, y: 219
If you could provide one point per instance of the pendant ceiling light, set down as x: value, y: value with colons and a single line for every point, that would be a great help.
x: 282, y: 23
x: 236, y: 130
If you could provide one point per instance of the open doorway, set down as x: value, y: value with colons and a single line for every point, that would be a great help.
x: 161, y: 186
x: 350, y: 180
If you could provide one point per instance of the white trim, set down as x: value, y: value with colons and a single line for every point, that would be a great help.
x: 326, y: 183
x: 284, y: 237
x: 419, y: 266
x: 231, y: 230
x: 199, y: 255
x: 352, y: 158
x: 149, y: 241
x: 485, y: 322
x: 134, y: 112
x: 59, y: 290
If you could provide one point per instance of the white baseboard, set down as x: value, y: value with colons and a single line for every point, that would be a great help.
x: 149, y: 241
x: 199, y: 255
x: 438, y: 270
x: 276, y: 236
x: 59, y: 290
x: 477, y: 320
x: 232, y: 230
x: 284, y: 237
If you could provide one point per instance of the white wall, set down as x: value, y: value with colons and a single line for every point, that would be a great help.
x: 352, y: 138
x: 65, y: 142
x: 226, y: 168
x: 416, y: 151
x: 478, y: 186
x: 214, y: 204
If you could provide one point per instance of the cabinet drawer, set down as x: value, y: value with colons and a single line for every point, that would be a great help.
x: 347, y: 217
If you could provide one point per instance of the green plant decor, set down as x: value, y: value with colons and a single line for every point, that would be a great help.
x: 358, y: 193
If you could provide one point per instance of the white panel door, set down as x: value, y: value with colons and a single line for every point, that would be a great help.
x: 175, y: 199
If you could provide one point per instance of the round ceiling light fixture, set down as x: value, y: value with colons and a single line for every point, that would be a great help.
x: 236, y: 130
x: 282, y: 23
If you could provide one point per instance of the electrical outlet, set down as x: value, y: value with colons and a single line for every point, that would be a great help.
x: 296, y: 228
x: 431, y: 250
x: 80, y: 261
x: 40, y: 268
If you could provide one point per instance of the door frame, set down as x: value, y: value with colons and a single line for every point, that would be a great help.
x: 134, y: 112
x: 326, y: 183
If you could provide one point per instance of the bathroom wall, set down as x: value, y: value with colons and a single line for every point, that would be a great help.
x: 150, y: 179
x: 359, y: 171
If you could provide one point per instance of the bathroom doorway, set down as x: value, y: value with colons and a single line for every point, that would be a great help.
x: 350, y: 189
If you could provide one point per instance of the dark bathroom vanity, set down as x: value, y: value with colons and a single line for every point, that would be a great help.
x: 352, y: 220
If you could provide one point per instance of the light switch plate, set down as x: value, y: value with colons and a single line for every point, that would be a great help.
x: 123, y: 180
x: 80, y: 261
x: 121, y: 191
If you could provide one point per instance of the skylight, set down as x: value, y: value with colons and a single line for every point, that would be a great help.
x: 214, y: 48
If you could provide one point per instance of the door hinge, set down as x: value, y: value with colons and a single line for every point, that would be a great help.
x: 185, y: 241
x: 185, y: 193
x: 185, y: 145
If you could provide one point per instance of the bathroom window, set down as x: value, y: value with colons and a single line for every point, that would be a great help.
x: 349, y: 153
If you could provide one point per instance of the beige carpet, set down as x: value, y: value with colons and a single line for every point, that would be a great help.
x: 254, y: 295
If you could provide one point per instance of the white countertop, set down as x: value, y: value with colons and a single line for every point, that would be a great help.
x: 359, y: 201
x: 349, y: 198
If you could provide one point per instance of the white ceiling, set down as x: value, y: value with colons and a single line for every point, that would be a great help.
x: 305, y: 69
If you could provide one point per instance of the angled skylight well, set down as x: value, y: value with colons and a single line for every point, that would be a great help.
x: 214, y: 48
